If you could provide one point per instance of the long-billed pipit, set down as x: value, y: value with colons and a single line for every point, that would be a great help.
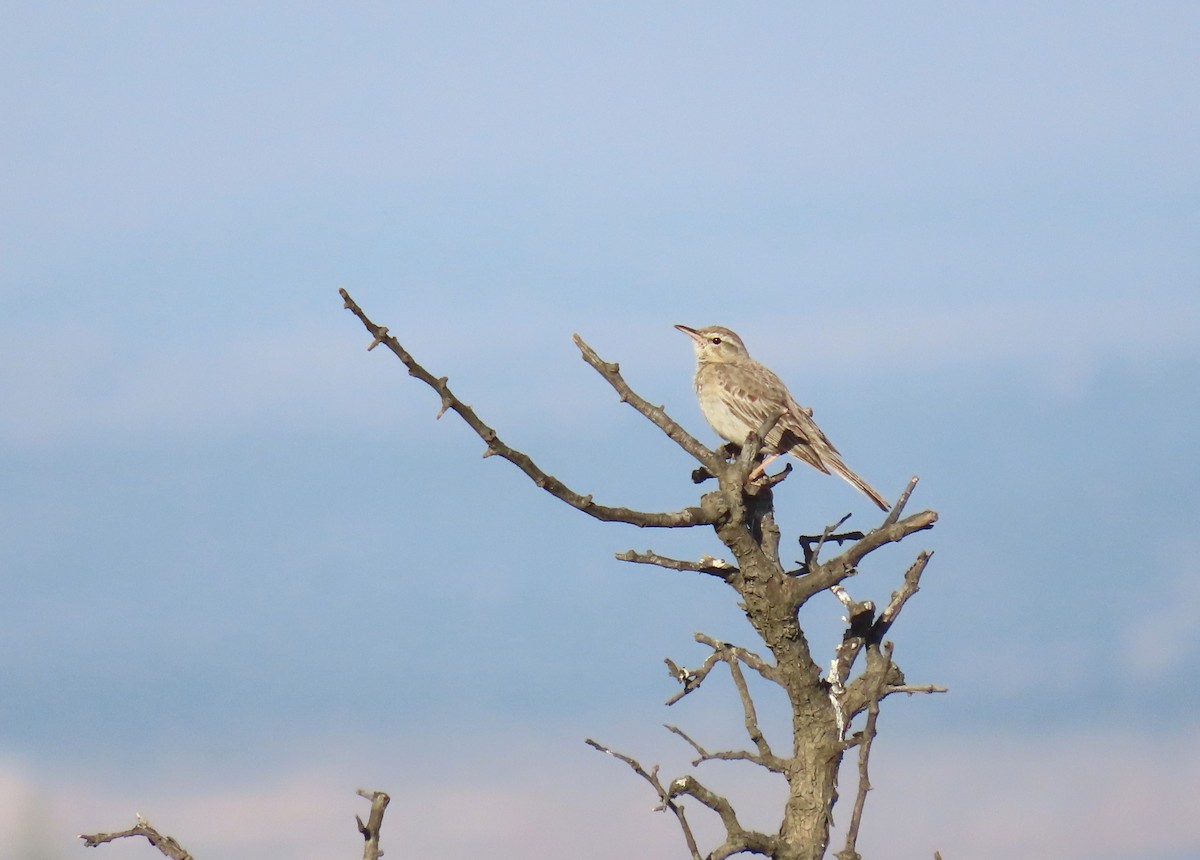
x: 737, y: 394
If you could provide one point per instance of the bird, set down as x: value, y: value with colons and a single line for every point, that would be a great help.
x: 737, y: 394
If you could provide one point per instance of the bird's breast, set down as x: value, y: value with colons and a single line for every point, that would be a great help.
x: 714, y: 391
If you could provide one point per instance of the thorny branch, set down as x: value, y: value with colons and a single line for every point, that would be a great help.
x: 692, y: 516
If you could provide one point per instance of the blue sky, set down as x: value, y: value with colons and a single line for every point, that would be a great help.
x: 246, y: 571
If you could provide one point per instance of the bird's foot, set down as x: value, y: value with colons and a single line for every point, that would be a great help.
x: 759, y: 477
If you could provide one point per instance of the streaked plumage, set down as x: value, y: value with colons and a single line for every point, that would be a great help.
x: 737, y: 394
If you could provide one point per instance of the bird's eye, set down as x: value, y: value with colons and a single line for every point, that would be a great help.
x: 716, y: 341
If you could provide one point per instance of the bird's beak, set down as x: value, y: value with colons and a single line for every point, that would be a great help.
x: 690, y: 332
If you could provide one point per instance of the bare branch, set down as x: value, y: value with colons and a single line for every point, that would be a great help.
x: 166, y: 845
x: 737, y: 839
x: 884, y: 535
x: 859, y: 619
x: 864, y: 629
x: 807, y: 541
x: 912, y: 584
x: 768, y: 761
x: 692, y: 516
x: 850, y: 852
x: 912, y: 689
x: 829, y: 533
x: 733, y: 657
x: 722, y: 652
x: 758, y: 664
x: 704, y: 755
x: 717, y: 567
x: 898, y: 508
x: 692, y: 787
x: 878, y: 674
x: 611, y: 372
x: 857, y: 696
x: 370, y: 830
x: 854, y: 608
x: 765, y: 757
x: 840, y: 567
x: 665, y: 799
x: 690, y: 678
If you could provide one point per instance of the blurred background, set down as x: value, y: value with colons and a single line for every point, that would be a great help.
x: 245, y: 572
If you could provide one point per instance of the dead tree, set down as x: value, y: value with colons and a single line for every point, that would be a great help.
x: 826, y: 706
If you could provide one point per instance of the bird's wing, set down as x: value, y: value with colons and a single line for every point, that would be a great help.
x: 752, y: 393
x: 797, y: 434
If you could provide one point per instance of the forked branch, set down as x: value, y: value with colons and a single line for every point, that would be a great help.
x: 722, y: 652
x: 814, y: 579
x: 692, y: 516
x: 666, y: 801
x: 737, y: 838
x: 371, y: 829
x: 729, y: 655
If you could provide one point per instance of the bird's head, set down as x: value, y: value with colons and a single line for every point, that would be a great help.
x: 715, y: 344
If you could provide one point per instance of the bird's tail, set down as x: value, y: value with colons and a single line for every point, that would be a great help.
x: 838, y: 466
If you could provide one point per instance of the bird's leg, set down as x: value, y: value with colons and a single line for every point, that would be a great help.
x: 758, y: 470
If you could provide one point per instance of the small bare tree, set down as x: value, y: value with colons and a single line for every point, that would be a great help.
x: 824, y: 705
